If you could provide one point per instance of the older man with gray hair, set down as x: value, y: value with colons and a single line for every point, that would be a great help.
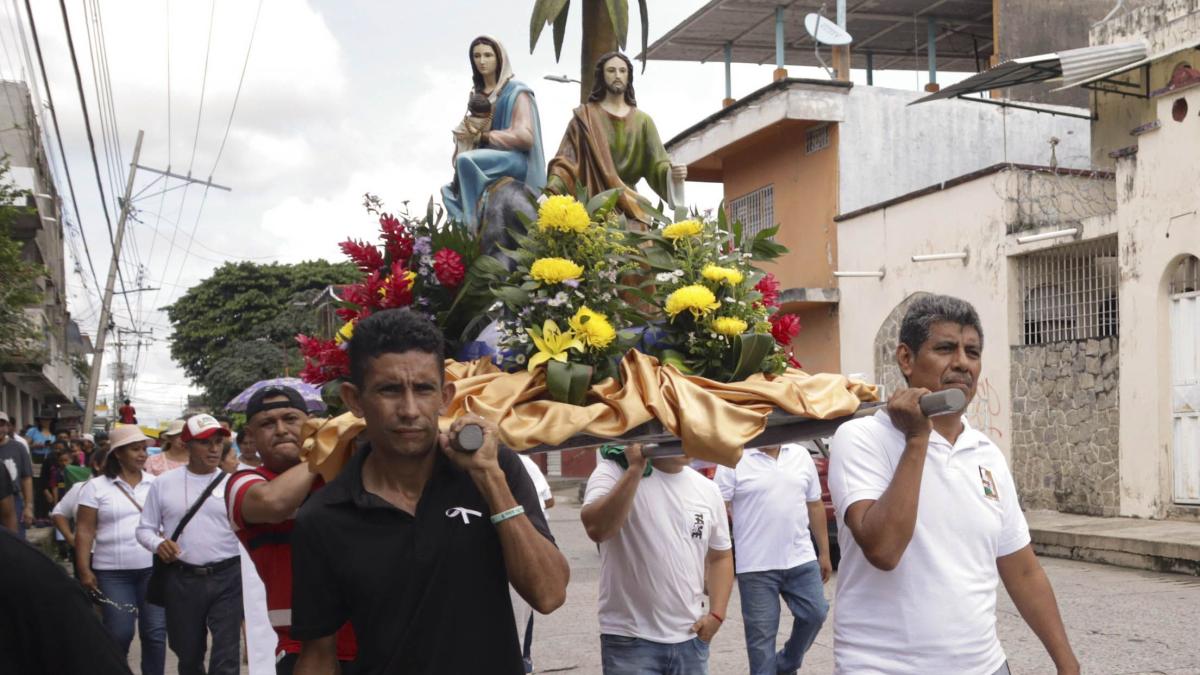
x: 929, y: 522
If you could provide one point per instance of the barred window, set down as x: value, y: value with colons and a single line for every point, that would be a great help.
x: 1069, y: 292
x: 816, y: 138
x: 1185, y: 278
x: 755, y: 211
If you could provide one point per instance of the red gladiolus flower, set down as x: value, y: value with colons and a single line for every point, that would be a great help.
x: 784, y: 327
x: 768, y: 286
x: 324, y: 360
x: 396, y: 290
x: 366, y: 256
x: 448, y: 267
x: 367, y: 294
x: 396, y: 238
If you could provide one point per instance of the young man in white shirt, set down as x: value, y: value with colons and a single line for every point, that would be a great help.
x: 204, y: 583
x: 774, y: 496
x: 930, y: 522
x: 661, y: 537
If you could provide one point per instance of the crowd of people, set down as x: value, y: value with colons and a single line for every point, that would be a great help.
x: 419, y: 558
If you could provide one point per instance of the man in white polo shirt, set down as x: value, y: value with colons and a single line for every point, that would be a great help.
x: 204, y: 581
x: 662, y: 533
x: 774, y: 495
x: 930, y: 522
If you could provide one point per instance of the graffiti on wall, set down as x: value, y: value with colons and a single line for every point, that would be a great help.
x: 986, y: 409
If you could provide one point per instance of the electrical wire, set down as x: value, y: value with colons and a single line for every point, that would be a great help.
x: 58, y: 136
x: 95, y: 162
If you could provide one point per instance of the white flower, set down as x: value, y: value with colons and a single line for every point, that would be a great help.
x: 678, y: 273
x: 664, y: 277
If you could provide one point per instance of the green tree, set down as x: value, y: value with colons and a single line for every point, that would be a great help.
x: 605, y: 28
x: 239, y: 325
x: 18, y: 277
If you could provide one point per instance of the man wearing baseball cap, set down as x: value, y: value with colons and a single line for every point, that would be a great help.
x: 203, y: 581
x: 15, y: 459
x: 262, y: 507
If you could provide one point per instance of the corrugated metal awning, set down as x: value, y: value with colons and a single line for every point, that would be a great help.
x: 894, y: 33
x: 1072, y: 67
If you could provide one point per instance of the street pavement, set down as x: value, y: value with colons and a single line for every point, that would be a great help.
x: 1120, y: 621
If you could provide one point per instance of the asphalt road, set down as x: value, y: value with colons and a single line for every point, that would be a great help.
x: 1120, y: 621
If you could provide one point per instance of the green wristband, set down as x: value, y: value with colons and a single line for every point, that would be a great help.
x: 505, y: 515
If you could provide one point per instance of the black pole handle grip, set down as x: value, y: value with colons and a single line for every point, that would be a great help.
x: 468, y: 439
x: 944, y: 402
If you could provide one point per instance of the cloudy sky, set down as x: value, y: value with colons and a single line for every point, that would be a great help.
x: 339, y: 98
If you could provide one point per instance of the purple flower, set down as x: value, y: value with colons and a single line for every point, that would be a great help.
x: 423, y: 246
x: 573, y: 283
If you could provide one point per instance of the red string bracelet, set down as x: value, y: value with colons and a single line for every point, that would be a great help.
x: 718, y: 617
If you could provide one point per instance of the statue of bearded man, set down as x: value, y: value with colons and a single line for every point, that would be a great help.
x: 609, y: 144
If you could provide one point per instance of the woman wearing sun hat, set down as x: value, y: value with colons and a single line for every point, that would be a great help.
x: 174, y: 453
x: 110, y: 506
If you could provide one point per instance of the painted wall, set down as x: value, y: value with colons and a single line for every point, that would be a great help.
x: 971, y: 217
x: 976, y: 216
x: 805, y: 190
x: 1158, y: 221
x: 1165, y: 25
x: 889, y: 148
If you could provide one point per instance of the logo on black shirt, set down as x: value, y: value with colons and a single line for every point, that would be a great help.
x: 697, y: 526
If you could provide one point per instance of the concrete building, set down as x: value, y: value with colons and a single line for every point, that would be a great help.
x: 1087, y: 284
x: 797, y: 153
x: 47, y: 385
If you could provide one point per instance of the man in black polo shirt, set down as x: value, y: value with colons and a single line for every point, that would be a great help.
x: 414, y: 543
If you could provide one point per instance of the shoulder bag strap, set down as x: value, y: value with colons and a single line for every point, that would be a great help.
x: 128, y: 496
x: 196, y: 507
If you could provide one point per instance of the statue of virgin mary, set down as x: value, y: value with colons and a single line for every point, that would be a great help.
x: 510, y: 145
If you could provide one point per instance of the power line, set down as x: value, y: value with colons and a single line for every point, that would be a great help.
x: 92, y: 146
x: 195, y: 143
x: 58, y: 136
x: 238, y: 93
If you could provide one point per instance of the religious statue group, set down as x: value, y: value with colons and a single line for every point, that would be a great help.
x: 609, y: 142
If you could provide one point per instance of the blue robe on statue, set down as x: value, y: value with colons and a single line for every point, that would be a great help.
x: 477, y: 169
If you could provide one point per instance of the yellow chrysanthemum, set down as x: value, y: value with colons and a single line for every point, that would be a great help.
x: 722, y: 274
x: 729, y: 326
x: 592, y: 328
x: 684, y: 228
x: 564, y: 214
x: 552, y: 344
x: 695, y: 298
x: 344, y: 333
x: 554, y: 270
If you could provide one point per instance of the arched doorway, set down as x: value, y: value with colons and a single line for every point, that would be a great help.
x: 1184, y: 300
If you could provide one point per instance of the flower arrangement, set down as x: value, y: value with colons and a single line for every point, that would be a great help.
x: 716, y: 306
x: 562, y: 306
x: 425, y: 264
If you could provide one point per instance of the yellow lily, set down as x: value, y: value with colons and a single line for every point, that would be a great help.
x: 553, y: 343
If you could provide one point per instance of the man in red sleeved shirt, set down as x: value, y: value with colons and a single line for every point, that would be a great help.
x: 262, y: 505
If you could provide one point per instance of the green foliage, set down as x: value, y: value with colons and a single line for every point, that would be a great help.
x: 547, y: 12
x: 18, y: 278
x: 236, y: 326
x: 717, y: 256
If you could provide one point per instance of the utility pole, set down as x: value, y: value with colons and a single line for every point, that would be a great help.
x: 102, y: 332
x: 106, y: 306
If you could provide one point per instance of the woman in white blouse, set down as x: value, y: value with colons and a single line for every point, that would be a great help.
x: 110, y: 506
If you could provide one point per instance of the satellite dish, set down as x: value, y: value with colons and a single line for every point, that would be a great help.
x: 825, y: 31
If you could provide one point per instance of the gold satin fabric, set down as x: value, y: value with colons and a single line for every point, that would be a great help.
x: 713, y: 419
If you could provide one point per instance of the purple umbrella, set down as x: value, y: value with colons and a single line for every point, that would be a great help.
x: 311, y: 394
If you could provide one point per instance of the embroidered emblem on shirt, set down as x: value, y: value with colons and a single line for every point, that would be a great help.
x: 989, y: 484
x: 466, y: 514
x: 697, y: 526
